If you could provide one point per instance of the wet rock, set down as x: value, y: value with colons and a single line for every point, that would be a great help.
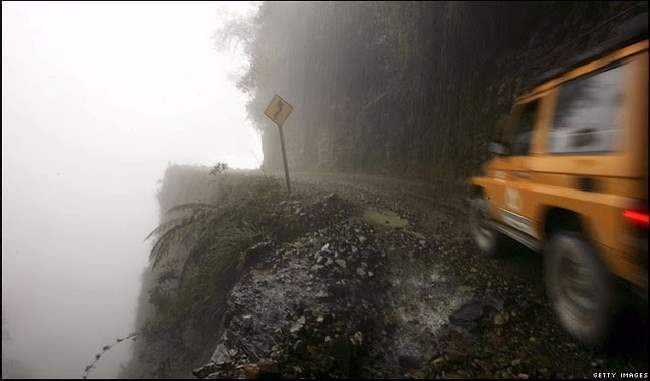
x: 474, y: 315
x: 220, y: 355
x: 260, y: 248
x: 409, y: 361
x: 357, y: 339
x: 468, y: 314
x: 438, y: 362
x: 299, y: 346
x: 499, y: 319
x: 205, y: 370
x: 298, y: 325
x: 265, y: 369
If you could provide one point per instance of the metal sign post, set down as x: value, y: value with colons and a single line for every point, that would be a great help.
x: 278, y: 111
x: 284, y: 157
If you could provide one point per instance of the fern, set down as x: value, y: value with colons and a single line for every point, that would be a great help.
x: 212, y: 239
x: 191, y: 206
x: 200, y: 225
x: 161, y: 248
x: 165, y: 226
x: 106, y: 348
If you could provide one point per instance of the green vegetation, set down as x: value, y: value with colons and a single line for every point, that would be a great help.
x: 219, y: 168
x: 405, y: 88
x: 199, y: 253
x: 11, y: 366
x: 105, y: 349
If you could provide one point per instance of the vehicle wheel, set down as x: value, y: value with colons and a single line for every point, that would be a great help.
x: 482, y: 227
x: 580, y: 288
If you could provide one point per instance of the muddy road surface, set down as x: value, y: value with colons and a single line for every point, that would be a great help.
x: 393, y: 286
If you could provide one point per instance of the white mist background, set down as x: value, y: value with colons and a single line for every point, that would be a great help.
x: 97, y: 98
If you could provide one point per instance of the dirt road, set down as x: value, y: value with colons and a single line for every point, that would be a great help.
x: 402, y: 295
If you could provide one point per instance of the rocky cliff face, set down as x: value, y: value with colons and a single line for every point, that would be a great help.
x: 180, y: 184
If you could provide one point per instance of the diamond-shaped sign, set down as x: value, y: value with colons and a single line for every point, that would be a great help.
x: 278, y: 110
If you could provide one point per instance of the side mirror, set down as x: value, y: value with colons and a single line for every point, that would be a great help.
x: 498, y: 148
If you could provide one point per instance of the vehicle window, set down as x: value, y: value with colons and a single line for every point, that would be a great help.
x: 524, y: 129
x: 585, y: 116
x: 501, y: 129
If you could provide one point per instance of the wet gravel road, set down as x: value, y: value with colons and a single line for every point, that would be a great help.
x: 358, y: 298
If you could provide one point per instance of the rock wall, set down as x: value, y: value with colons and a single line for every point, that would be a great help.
x: 408, y: 89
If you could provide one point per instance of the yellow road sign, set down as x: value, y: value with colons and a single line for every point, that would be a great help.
x: 278, y: 110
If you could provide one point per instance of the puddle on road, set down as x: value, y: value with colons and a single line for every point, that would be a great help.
x: 431, y: 300
x: 384, y: 218
x: 425, y: 302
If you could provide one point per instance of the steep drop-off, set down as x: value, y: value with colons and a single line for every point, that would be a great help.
x: 153, y: 356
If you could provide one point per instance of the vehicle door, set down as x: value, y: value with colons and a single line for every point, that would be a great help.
x: 518, y: 192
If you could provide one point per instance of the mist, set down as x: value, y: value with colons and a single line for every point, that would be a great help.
x: 97, y: 100
x: 400, y: 209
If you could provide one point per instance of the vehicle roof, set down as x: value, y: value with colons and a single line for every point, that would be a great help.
x: 633, y: 31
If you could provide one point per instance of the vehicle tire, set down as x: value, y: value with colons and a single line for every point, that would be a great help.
x: 579, y: 287
x: 485, y: 235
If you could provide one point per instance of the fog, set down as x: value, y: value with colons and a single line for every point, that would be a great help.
x: 97, y: 99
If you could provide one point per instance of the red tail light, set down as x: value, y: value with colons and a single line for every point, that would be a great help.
x: 638, y: 217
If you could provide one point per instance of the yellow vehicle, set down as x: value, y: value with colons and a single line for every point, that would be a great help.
x: 570, y: 179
